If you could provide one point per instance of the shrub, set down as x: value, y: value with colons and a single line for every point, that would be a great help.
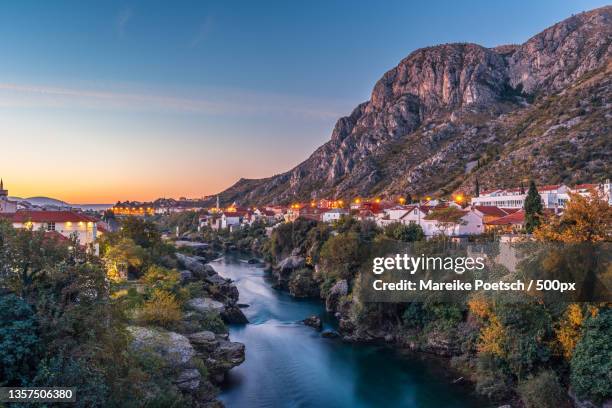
x: 162, y: 309
x: 213, y: 322
x: 542, y: 391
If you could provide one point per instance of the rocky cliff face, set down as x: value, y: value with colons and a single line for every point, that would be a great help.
x: 447, y: 114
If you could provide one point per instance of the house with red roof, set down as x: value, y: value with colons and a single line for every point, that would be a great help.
x: 67, y: 223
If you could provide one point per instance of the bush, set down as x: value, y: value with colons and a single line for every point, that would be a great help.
x: 162, y: 309
x: 591, y: 364
x: 213, y: 322
x: 18, y: 340
x: 543, y: 391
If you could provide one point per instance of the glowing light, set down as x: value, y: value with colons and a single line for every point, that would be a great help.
x: 402, y: 200
x: 377, y: 200
x: 428, y: 198
x: 358, y: 201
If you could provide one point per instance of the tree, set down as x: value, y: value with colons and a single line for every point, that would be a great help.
x: 543, y: 391
x: 19, y: 341
x: 404, y: 233
x: 341, y: 255
x: 477, y: 188
x: 533, y: 208
x: 121, y: 257
x: 591, y: 365
x: 584, y: 219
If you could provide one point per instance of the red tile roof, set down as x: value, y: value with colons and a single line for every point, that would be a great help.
x: 491, y: 210
x: 46, y: 216
x: 549, y: 187
x: 585, y: 187
x: 515, y: 218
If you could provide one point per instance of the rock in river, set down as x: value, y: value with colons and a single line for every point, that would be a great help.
x: 313, y: 321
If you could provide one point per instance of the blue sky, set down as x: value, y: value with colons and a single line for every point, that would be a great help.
x: 111, y: 100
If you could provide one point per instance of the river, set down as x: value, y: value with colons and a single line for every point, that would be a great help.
x: 291, y: 365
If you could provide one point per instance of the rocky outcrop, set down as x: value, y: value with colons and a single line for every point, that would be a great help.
x: 174, y: 348
x: 223, y: 293
x: 302, y: 284
x: 450, y: 104
x: 339, y: 290
x: 205, y: 305
x: 314, y: 322
x: 284, y: 269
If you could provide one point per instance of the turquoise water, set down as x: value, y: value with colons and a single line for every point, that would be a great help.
x: 290, y: 365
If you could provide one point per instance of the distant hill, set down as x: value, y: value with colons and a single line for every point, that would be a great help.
x: 450, y: 114
x: 42, y: 201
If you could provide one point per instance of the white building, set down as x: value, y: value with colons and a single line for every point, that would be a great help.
x: 470, y: 223
x: 66, y: 223
x: 553, y: 196
x: 334, y: 214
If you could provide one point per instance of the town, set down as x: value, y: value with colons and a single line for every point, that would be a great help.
x: 498, y: 211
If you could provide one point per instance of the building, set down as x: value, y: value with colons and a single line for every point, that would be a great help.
x: 66, y: 223
x: 469, y: 223
x: 6, y: 205
x: 553, y: 196
x: 334, y: 214
x: 490, y: 213
x: 261, y: 214
x: 508, y: 224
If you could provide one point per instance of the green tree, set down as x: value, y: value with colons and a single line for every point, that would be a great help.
x: 533, y: 208
x: 19, y: 341
x: 591, y: 364
x: 341, y: 255
x: 543, y: 391
x: 404, y: 233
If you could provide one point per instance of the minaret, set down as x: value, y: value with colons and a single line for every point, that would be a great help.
x: 218, y: 206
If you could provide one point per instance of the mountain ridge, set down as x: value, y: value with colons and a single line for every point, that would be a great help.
x: 447, y: 114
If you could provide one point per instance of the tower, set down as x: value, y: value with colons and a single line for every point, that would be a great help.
x: 3, y: 192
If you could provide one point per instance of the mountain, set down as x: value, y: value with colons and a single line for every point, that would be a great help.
x: 43, y: 201
x: 453, y: 113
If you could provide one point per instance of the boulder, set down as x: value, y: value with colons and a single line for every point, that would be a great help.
x: 225, y: 357
x: 330, y: 334
x: 205, y: 341
x: 172, y: 347
x: 233, y: 315
x: 291, y: 263
x: 188, y: 380
x: 339, y: 290
x: 197, y: 265
x: 186, y: 276
x: 205, y: 305
x: 313, y: 321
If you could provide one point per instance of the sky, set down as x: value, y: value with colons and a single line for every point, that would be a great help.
x: 116, y: 100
